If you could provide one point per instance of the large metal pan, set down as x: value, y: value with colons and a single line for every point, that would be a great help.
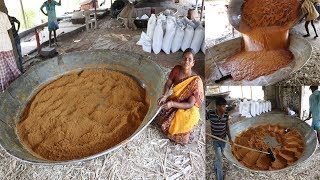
x: 300, y: 48
x: 308, y: 134
x: 16, y: 97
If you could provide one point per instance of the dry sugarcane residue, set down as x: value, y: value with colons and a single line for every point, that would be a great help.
x: 291, y: 147
x: 81, y: 114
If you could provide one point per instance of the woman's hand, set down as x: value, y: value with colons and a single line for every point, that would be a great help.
x: 162, y: 100
x: 168, y: 105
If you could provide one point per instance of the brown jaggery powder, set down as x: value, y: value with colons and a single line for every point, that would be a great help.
x: 266, y: 13
x: 244, y: 66
x: 291, y: 147
x: 265, y: 26
x: 81, y: 114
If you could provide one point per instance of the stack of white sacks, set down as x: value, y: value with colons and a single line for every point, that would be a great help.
x: 254, y: 108
x: 172, y: 34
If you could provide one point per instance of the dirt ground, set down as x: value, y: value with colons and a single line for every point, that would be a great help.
x: 308, y: 170
x: 150, y: 155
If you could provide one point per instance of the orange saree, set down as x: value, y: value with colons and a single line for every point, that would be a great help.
x: 177, y: 124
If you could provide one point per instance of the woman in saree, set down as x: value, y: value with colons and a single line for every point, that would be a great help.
x: 180, y: 111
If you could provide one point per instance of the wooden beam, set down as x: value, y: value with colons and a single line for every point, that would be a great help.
x: 202, y: 8
x: 23, y: 15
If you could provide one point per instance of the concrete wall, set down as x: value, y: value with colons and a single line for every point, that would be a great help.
x: 4, y: 9
x: 290, y: 96
x: 284, y: 96
x: 271, y: 94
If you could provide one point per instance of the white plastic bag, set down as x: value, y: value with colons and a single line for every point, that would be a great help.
x: 260, y: 107
x: 257, y: 108
x: 253, y: 109
x: 140, y: 42
x: 189, y: 22
x: 170, y: 33
x: 196, y: 23
x: 265, y: 107
x: 144, y: 16
x: 240, y: 107
x: 269, y: 106
x: 197, y: 39
x: 177, y: 39
x: 246, y: 108
x: 151, y: 25
x: 157, y: 37
x: 145, y: 42
x: 163, y: 18
x: 180, y: 22
x: 187, y: 38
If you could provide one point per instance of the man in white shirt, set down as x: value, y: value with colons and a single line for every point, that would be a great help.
x: 8, y: 67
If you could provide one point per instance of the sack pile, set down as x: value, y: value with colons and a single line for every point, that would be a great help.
x: 254, y: 108
x: 171, y: 34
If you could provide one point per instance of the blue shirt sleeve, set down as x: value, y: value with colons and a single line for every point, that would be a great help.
x: 56, y: 3
x: 43, y: 5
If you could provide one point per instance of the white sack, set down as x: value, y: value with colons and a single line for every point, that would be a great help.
x: 197, y: 39
x: 177, y: 39
x: 187, y: 38
x: 157, y: 37
x: 170, y: 33
x: 151, y: 25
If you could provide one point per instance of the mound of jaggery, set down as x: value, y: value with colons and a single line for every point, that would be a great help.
x: 290, y: 149
x: 266, y: 13
x: 265, y: 26
x: 81, y: 114
x: 250, y: 65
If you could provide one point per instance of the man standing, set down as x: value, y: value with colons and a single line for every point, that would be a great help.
x: 314, y: 104
x: 16, y: 39
x: 311, y: 14
x: 8, y: 67
x: 52, y: 18
x: 219, y: 120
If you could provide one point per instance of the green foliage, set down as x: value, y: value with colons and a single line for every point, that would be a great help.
x: 30, y: 16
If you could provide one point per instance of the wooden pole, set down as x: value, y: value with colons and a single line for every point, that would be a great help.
x: 23, y: 15
x: 202, y: 8
x: 217, y: 138
x: 95, y: 14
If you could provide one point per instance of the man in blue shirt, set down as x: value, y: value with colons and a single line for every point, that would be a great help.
x: 219, y: 120
x: 314, y: 104
x: 52, y: 18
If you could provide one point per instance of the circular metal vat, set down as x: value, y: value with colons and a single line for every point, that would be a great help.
x: 16, y: 97
x: 307, y: 133
x: 300, y: 48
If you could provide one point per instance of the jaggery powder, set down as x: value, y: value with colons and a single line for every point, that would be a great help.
x: 289, y: 150
x: 244, y: 64
x: 81, y: 114
x: 265, y: 26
